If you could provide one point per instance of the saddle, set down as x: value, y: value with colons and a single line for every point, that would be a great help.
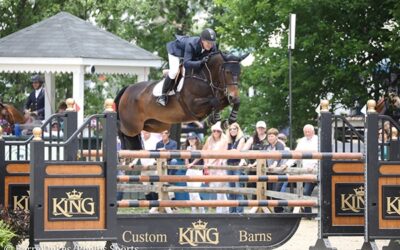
x: 178, y: 83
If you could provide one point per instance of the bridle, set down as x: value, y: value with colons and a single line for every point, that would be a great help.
x: 232, y: 67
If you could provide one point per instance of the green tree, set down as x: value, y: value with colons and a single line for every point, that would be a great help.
x: 340, y: 46
x: 149, y: 24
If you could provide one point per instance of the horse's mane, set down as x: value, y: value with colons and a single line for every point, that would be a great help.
x: 225, y: 55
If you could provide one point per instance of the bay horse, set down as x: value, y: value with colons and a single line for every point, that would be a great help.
x: 11, y: 114
x: 205, y: 93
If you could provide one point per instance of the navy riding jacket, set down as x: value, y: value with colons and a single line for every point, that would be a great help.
x: 190, y: 49
x: 36, y: 104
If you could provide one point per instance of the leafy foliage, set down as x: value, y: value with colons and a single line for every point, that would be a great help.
x: 6, y: 234
x: 16, y: 222
x: 340, y: 47
x: 149, y: 24
x: 344, y: 49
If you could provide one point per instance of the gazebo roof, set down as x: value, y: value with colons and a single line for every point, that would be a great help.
x: 64, y: 35
x: 65, y: 43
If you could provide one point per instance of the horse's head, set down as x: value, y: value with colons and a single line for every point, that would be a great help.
x: 11, y: 114
x: 3, y: 112
x: 225, y: 72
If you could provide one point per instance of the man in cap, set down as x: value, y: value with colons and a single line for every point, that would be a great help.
x: 35, y: 101
x: 194, y: 51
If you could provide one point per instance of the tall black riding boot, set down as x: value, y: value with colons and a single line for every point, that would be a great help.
x: 163, y: 99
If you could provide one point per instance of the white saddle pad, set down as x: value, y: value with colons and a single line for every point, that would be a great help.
x: 157, y: 90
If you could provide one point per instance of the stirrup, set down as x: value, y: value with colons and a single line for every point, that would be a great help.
x: 162, y: 100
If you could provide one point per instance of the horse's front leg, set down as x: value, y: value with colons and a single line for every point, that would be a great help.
x: 234, y: 112
x: 214, y: 117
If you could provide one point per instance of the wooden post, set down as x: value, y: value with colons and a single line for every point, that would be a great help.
x: 162, y: 195
x: 261, y: 187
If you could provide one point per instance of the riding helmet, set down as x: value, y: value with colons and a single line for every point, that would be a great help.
x: 208, y: 35
x: 37, y: 78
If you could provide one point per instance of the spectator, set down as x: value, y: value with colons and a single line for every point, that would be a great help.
x: 236, y: 141
x: 274, y: 165
x: 258, y: 141
x: 215, y: 142
x: 168, y: 144
x: 308, y: 143
x: 274, y: 144
x: 196, y: 126
x: 283, y: 138
x: 62, y: 107
x: 193, y: 143
x: 35, y: 101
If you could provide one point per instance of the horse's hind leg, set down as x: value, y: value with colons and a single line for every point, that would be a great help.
x: 129, y: 142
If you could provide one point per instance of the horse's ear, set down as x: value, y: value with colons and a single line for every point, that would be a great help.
x: 242, y: 57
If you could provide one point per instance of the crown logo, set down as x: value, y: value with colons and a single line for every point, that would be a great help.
x: 200, y: 225
x: 359, y: 191
x: 74, y: 195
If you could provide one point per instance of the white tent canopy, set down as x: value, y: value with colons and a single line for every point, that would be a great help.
x: 66, y: 44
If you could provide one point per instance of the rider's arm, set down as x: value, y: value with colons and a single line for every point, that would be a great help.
x: 188, y: 61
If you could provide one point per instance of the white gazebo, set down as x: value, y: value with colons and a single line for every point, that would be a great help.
x: 68, y: 44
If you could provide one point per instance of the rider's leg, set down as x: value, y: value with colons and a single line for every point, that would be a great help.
x: 168, y: 83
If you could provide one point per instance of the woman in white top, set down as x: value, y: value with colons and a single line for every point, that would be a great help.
x: 193, y: 143
x: 217, y: 141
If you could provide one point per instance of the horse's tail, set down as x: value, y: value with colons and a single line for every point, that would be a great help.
x: 127, y: 142
x: 118, y: 98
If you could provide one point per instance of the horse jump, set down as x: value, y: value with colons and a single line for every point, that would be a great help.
x: 92, y: 189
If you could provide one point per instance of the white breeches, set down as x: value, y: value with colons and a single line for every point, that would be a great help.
x: 173, y: 66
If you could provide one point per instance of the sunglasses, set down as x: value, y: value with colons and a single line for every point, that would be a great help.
x: 232, y: 129
x: 216, y: 131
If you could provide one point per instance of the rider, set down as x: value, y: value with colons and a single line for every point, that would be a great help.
x: 35, y: 101
x: 194, y: 50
